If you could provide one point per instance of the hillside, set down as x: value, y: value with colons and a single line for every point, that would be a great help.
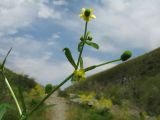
x: 27, y: 85
x: 137, y: 80
x: 15, y: 80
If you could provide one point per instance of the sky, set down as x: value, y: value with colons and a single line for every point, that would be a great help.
x: 38, y: 30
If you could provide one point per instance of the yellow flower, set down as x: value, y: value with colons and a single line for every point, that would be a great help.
x: 87, y: 98
x: 79, y: 75
x: 87, y: 14
x: 103, y: 104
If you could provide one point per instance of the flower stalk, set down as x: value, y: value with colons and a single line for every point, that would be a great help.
x: 80, y: 54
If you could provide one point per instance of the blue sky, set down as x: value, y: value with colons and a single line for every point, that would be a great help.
x: 39, y: 30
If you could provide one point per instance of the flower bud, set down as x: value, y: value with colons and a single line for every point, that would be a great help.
x: 90, y: 38
x: 126, y: 55
x: 82, y: 38
x: 48, y: 88
x: 87, y: 12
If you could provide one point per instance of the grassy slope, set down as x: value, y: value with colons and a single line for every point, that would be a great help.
x: 15, y: 80
x: 137, y: 80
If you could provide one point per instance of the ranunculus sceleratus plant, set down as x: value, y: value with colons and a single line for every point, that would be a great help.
x: 78, y: 74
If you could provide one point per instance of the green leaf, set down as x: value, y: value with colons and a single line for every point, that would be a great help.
x: 80, y: 45
x: 69, y: 57
x: 92, y: 44
x: 4, y: 61
x: 22, y: 99
x: 81, y: 63
x: 3, y: 109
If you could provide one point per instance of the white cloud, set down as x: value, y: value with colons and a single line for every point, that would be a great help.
x: 59, y: 2
x: 128, y: 24
x: 24, y: 46
x: 46, y: 12
x: 30, y: 56
x: 52, y: 40
x: 42, y: 70
x: 16, y: 14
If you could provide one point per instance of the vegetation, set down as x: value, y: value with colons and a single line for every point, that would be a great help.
x: 27, y: 85
x: 136, y: 81
x: 79, y: 112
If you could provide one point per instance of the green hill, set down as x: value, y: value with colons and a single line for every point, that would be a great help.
x: 15, y: 80
x: 137, y: 80
x: 28, y: 86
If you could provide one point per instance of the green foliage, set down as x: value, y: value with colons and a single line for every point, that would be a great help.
x: 16, y: 80
x: 24, y: 110
x: 48, y: 88
x: 4, y: 61
x: 92, y: 44
x: 69, y: 57
x: 79, y: 112
x: 137, y: 80
x: 35, y: 95
x: 3, y: 109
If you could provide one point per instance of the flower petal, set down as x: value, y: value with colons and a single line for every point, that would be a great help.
x: 93, y: 16
x: 81, y: 15
x: 83, y: 10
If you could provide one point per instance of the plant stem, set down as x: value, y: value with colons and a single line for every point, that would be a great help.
x: 13, y: 95
x: 42, y: 101
x: 80, y: 54
x: 95, y: 66
x: 108, y: 62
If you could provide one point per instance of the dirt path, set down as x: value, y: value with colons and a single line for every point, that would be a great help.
x: 58, y: 112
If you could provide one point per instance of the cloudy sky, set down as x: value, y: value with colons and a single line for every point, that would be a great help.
x: 38, y: 30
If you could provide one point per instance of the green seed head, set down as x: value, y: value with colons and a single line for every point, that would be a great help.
x: 87, y: 12
x: 126, y: 55
x: 48, y: 88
